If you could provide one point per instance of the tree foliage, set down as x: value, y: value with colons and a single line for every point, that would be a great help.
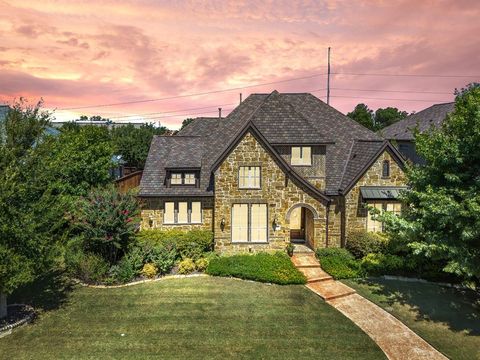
x: 29, y: 213
x: 133, y: 143
x: 442, y: 219
x: 377, y: 120
x: 186, y: 122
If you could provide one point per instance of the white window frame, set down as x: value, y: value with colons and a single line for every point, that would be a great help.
x: 304, y: 156
x: 252, y: 177
x: 176, y: 178
x: 189, y: 176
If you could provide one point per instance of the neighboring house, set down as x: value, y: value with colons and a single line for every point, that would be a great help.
x: 278, y: 168
x: 402, y: 133
x: 109, y: 124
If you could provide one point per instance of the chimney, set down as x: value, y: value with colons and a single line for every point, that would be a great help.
x: 240, y: 98
x: 220, y: 112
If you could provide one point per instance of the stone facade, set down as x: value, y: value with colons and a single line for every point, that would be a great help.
x: 277, y: 191
x: 155, y: 207
x: 355, y: 214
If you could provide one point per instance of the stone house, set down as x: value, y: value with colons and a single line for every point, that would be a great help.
x: 279, y: 168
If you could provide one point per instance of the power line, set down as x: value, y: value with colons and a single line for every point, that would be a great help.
x: 397, y: 91
x: 406, y: 75
x: 194, y: 94
x: 373, y: 98
x: 185, y: 115
x: 171, y: 111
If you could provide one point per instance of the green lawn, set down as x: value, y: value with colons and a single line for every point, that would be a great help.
x: 447, y: 318
x: 193, y: 318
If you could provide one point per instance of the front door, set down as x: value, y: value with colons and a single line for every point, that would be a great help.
x: 297, y: 224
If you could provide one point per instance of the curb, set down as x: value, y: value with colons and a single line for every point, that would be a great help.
x: 146, y: 281
x: 7, y: 329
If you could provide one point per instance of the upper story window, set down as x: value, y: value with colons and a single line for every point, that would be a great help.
x: 182, y: 178
x: 249, y: 177
x: 386, y: 169
x: 301, y: 156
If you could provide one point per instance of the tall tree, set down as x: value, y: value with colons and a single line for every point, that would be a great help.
x: 28, y: 211
x: 186, y: 122
x: 442, y: 217
x: 388, y: 116
x: 133, y: 143
x: 363, y: 115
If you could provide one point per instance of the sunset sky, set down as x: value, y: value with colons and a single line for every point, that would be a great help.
x: 77, y: 55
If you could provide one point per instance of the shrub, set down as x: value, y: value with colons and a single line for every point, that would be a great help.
x: 201, y: 264
x: 361, y: 242
x: 107, y: 221
x: 162, y: 256
x: 149, y: 270
x: 189, y: 244
x: 123, y: 272
x: 339, y: 263
x: 186, y: 266
x: 273, y: 268
x: 90, y: 267
x: 380, y: 264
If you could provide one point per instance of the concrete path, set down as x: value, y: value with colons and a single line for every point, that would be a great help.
x: 395, y: 339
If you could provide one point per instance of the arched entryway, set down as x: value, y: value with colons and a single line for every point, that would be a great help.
x: 301, y: 219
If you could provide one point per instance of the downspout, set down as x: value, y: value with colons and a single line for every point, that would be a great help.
x: 326, y: 224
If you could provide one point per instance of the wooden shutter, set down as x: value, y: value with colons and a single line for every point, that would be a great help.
x: 258, y: 223
x: 169, y: 215
x: 196, y: 214
x: 240, y: 222
x: 182, y: 216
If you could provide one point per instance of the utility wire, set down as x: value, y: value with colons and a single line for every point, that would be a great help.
x: 194, y: 94
x: 407, y: 75
x: 396, y: 91
x: 171, y: 111
x: 375, y: 98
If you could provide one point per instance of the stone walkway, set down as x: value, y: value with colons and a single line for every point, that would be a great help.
x: 395, y: 339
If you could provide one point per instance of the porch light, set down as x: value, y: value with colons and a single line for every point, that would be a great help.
x: 275, y: 223
x: 222, y: 224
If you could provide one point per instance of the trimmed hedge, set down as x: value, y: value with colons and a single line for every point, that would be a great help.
x: 272, y: 268
x: 339, y: 263
x: 361, y: 242
x: 189, y: 244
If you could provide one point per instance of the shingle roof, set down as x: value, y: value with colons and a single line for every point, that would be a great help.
x: 431, y: 116
x: 281, y: 119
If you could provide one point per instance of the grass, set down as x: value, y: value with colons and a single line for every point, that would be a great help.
x: 193, y: 318
x: 272, y: 268
x: 449, y: 319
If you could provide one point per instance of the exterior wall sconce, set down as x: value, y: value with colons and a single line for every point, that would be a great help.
x: 222, y: 224
x: 275, y: 224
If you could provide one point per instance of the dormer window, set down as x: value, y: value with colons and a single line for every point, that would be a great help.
x: 301, y: 156
x: 178, y: 178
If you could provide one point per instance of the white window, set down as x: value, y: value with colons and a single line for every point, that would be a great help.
x: 377, y: 226
x: 396, y: 208
x: 182, y: 215
x: 189, y: 179
x: 249, y: 223
x: 249, y: 177
x: 196, y: 212
x: 301, y: 156
x: 176, y: 179
x: 240, y: 222
x: 258, y: 223
x: 374, y: 225
x: 169, y: 215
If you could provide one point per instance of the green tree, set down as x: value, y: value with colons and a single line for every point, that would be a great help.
x: 186, y: 122
x: 388, y: 116
x: 363, y: 115
x: 81, y: 158
x: 133, y: 143
x: 442, y: 217
x: 28, y: 211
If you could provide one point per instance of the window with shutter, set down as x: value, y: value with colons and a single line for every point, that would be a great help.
x: 169, y: 215
x: 196, y: 213
x: 301, y: 156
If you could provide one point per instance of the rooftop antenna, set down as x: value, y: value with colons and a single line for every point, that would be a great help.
x: 328, y: 78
